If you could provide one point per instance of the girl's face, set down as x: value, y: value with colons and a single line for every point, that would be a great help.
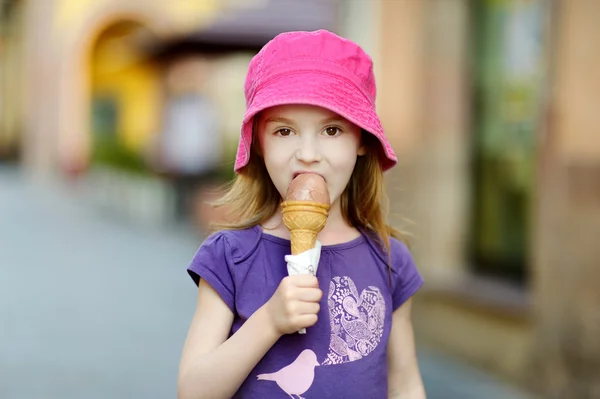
x: 305, y: 138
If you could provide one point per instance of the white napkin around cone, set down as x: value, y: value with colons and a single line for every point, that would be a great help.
x: 304, y: 263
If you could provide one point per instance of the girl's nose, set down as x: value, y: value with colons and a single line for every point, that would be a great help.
x: 308, y: 150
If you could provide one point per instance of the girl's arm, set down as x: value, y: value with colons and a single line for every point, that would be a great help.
x: 213, y: 366
x: 404, y: 378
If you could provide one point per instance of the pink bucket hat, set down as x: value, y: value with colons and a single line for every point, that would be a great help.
x: 316, y: 68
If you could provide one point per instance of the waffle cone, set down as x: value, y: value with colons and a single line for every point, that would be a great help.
x: 304, y: 220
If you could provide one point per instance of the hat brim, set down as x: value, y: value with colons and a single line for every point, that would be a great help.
x: 331, y: 92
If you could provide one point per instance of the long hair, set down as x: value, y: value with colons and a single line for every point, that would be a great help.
x: 251, y: 198
x: 365, y: 203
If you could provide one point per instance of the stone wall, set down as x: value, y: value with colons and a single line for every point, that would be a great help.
x: 567, y: 250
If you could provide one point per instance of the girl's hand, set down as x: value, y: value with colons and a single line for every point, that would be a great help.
x: 295, y: 304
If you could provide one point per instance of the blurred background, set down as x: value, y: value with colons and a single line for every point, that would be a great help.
x: 118, y: 118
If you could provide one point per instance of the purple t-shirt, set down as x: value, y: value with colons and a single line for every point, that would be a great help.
x: 345, y: 354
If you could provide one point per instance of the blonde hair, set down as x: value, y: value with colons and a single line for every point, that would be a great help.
x: 251, y: 198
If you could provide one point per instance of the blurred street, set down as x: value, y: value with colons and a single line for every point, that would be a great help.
x: 94, y: 307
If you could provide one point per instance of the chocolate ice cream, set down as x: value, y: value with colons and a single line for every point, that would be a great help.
x: 308, y: 187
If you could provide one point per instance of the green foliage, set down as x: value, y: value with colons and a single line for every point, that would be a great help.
x: 110, y: 152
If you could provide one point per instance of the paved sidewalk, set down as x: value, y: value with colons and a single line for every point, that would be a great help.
x: 92, y: 306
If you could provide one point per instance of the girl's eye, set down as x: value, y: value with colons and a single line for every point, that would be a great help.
x: 284, y: 132
x: 332, y: 131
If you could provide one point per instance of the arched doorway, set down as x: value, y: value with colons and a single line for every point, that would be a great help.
x: 124, y: 96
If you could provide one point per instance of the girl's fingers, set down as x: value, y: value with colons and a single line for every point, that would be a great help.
x: 307, y: 308
x: 305, y: 281
x: 309, y: 295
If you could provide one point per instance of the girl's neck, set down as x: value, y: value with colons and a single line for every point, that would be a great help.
x: 336, y: 231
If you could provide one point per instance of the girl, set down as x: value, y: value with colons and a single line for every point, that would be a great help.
x: 310, y: 109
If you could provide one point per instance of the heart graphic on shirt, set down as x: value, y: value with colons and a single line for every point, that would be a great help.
x: 356, y: 321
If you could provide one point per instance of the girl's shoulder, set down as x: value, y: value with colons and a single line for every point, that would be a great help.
x: 399, y: 252
x: 404, y: 275
x: 238, y: 244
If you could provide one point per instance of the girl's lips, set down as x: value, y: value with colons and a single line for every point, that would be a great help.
x: 296, y: 174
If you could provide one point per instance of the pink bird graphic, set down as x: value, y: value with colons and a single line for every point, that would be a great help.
x: 296, y: 378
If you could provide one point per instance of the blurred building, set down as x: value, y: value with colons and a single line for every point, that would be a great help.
x: 85, y: 79
x: 490, y: 105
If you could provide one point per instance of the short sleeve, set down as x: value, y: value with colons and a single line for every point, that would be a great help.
x: 407, y: 279
x: 212, y: 262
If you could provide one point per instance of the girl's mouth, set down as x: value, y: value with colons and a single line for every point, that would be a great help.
x: 296, y: 174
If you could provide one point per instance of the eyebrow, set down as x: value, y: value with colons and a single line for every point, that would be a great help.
x: 331, y: 119
x: 278, y: 119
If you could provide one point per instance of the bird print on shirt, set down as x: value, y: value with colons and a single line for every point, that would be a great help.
x: 357, y: 322
x: 296, y: 378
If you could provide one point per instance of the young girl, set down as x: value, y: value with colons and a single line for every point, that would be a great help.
x: 310, y: 109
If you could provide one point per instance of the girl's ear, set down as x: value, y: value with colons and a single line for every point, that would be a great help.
x: 362, y: 149
x: 256, y: 146
x: 256, y: 137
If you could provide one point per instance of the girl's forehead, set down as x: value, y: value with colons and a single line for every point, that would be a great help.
x: 298, y: 111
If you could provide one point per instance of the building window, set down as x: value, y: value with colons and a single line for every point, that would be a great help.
x: 508, y: 59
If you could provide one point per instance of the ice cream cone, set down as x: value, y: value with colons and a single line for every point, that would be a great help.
x: 304, y: 220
